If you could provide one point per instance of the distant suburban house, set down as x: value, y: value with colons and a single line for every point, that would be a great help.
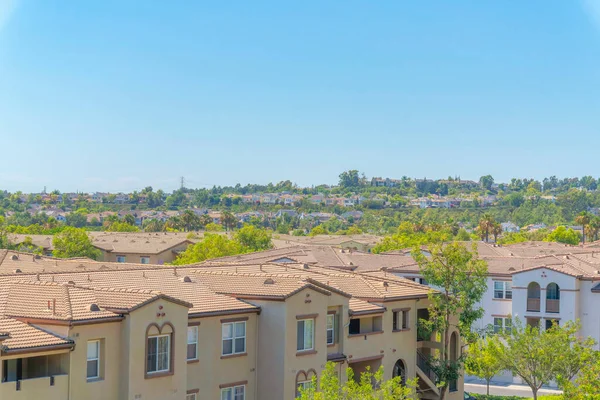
x: 510, y: 227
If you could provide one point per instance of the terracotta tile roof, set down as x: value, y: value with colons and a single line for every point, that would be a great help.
x: 360, y: 307
x: 23, y: 336
x: 137, y: 243
x: 112, y: 290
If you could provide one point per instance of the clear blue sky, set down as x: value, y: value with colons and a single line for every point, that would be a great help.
x: 116, y: 95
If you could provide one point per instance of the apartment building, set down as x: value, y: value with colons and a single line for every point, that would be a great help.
x: 218, y: 330
x: 140, y: 248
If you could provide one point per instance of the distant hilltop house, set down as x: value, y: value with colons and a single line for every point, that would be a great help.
x: 509, y: 227
x: 385, y: 182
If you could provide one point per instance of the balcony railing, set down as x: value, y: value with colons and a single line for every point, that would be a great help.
x: 533, y: 305
x: 423, y: 364
x: 552, y: 306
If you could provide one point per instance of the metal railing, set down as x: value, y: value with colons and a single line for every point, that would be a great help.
x: 533, y: 304
x: 552, y: 306
x: 423, y: 364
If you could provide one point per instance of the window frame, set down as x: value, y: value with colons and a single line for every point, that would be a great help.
x: 232, y: 390
x: 233, y: 338
x: 191, y: 396
x: 142, y: 258
x: 503, y: 293
x: 97, y: 359
x: 196, y: 357
x: 121, y: 257
x: 505, y: 324
x: 331, y: 328
x: 303, y: 321
x: 169, y: 350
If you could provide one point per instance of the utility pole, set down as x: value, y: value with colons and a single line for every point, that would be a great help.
x: 182, y: 182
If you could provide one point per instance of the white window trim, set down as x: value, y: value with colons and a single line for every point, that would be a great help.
x: 158, y: 371
x: 332, y: 329
x: 233, y: 338
x: 195, y: 327
x: 191, y: 396
x: 97, y: 359
x: 142, y: 258
x: 304, y: 333
x: 504, y: 290
x: 232, y: 390
x: 503, y: 326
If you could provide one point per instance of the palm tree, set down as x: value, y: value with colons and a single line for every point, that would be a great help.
x: 583, y: 219
x: 594, y: 227
x: 486, y: 224
x: 228, y: 220
x: 154, y: 225
x: 190, y: 220
x: 496, y: 231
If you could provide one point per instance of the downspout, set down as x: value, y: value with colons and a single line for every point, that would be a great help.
x: 256, y: 361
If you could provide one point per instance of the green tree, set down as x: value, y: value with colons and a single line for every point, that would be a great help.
x: 228, y: 220
x: 584, y: 219
x: 253, y: 238
x: 190, y: 221
x: 318, y: 230
x: 486, y: 182
x: 212, y: 227
x: 585, y: 386
x: 122, y: 227
x: 129, y: 219
x: 370, y: 386
x: 74, y: 242
x: 486, y: 226
x: 563, y: 235
x: 481, y: 360
x: 154, y: 225
x: 349, y: 179
x: 460, y: 277
x: 211, y: 246
x: 539, y: 356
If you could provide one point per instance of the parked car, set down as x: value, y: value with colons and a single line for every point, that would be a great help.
x: 469, y: 397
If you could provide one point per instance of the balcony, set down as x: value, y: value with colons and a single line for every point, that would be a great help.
x: 552, y: 306
x: 533, y: 305
x: 47, y: 388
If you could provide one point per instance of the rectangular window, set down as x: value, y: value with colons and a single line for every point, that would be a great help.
x: 233, y: 337
x: 305, y: 331
x: 508, y: 290
x: 354, y: 327
x: 400, y: 320
x: 120, y: 259
x: 190, y: 396
x: 159, y: 354
x: 330, y: 328
x: 498, y: 290
x: 502, y: 290
x: 144, y: 260
x: 234, y: 393
x: 502, y: 324
x: 303, y: 385
x: 93, y: 359
x: 405, y: 319
x: 192, y: 343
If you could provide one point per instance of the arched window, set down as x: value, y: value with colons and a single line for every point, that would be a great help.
x: 159, y: 349
x: 304, y: 380
x: 400, y: 370
x: 553, y: 292
x: 533, y: 297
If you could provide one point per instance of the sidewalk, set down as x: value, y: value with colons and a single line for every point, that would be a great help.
x: 504, y: 389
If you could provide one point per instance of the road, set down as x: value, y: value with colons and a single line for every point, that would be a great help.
x: 505, y: 390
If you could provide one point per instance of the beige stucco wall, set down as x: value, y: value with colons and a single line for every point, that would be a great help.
x: 107, y: 387
x: 164, y: 257
x: 163, y: 387
x: 212, y: 370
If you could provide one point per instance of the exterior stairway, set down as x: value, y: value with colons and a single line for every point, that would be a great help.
x: 427, y: 387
